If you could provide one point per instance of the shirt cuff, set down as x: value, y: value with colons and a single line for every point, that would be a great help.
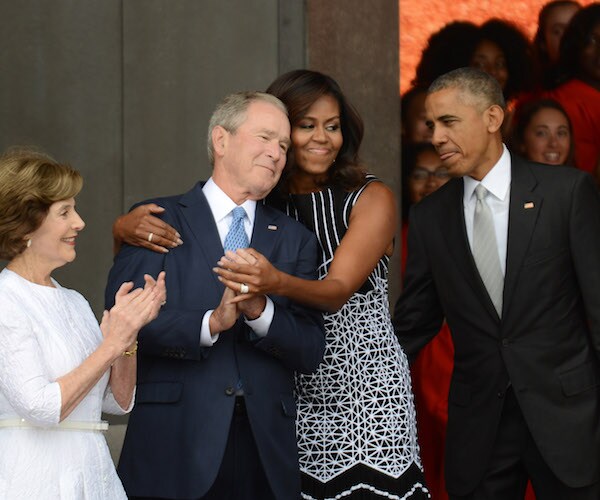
x: 206, y: 339
x: 261, y: 325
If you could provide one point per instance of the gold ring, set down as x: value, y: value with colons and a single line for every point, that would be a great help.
x: 150, y: 236
x: 244, y: 288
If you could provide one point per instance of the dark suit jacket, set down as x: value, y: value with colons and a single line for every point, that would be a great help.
x: 179, y: 426
x: 548, y: 341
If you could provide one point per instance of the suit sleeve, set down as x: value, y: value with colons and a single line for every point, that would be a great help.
x: 296, y: 335
x: 175, y: 333
x: 584, y: 225
x: 418, y: 314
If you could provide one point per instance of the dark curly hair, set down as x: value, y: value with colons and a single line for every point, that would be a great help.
x: 574, y: 40
x: 299, y: 90
x: 453, y: 47
x: 517, y: 51
x: 447, y: 49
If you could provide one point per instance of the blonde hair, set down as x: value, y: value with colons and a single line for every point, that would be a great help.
x: 30, y: 181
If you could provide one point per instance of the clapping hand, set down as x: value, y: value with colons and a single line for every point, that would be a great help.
x: 133, y: 309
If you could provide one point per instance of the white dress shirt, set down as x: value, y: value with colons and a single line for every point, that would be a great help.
x: 221, y: 207
x: 497, y: 182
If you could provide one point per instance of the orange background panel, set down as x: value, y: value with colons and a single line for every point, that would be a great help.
x: 420, y: 18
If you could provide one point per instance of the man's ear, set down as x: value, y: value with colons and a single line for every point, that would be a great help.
x: 494, y: 116
x: 219, y: 137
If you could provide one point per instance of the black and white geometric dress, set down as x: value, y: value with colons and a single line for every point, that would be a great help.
x: 356, y: 425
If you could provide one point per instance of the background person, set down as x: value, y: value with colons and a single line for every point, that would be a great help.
x: 543, y: 133
x: 58, y: 369
x: 504, y: 52
x: 412, y: 116
x: 579, y: 92
x: 553, y: 19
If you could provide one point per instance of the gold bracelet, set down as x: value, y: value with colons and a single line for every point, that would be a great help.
x: 132, y: 352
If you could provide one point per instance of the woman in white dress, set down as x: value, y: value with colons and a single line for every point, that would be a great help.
x: 59, y: 369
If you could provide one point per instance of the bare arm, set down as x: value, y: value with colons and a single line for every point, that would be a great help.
x: 136, y: 226
x: 120, y: 325
x: 370, y: 235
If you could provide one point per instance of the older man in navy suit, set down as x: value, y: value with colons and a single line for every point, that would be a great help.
x: 214, y: 412
x: 509, y: 253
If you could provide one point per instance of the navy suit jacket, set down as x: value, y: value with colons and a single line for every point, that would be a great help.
x: 179, y: 426
x: 547, y: 343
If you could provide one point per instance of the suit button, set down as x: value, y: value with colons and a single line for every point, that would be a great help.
x: 505, y: 342
x: 230, y: 391
x: 500, y: 394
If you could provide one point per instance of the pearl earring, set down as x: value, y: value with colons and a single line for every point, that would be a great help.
x: 28, y: 242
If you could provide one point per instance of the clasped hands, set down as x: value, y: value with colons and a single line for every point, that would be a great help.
x: 248, y: 273
x: 248, y: 276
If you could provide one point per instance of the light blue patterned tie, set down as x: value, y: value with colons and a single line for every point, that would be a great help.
x: 236, y: 237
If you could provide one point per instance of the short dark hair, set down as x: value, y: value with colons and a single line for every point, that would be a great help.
x: 477, y: 83
x: 299, y: 90
x: 30, y: 181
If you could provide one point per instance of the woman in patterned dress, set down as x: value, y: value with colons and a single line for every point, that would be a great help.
x: 356, y: 420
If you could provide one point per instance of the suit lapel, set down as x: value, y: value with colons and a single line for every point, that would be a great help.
x: 524, y: 208
x: 452, y: 220
x: 202, y: 226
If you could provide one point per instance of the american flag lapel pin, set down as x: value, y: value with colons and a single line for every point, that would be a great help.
x: 528, y: 205
x: 271, y: 227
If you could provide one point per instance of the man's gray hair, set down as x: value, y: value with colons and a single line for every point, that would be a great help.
x: 230, y: 113
x: 477, y: 84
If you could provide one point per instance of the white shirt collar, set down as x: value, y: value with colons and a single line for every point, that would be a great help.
x: 497, y: 180
x: 221, y: 205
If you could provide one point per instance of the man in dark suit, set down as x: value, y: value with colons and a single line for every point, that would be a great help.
x: 524, y: 400
x: 214, y: 411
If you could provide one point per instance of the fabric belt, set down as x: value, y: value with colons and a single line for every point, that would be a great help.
x: 66, y: 425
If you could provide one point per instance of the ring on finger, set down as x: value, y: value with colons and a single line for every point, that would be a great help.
x: 150, y: 236
x: 244, y: 288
